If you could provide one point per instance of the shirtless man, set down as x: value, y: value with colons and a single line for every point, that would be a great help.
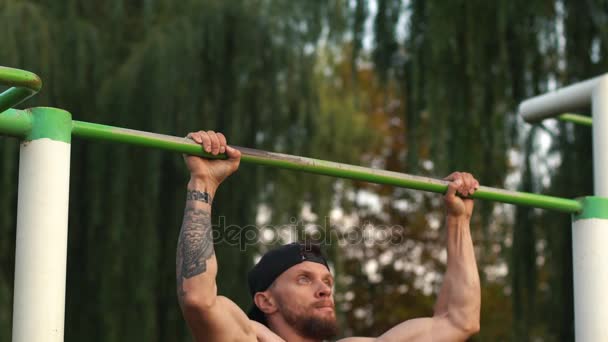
x: 292, y: 286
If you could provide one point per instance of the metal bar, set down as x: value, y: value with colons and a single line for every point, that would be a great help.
x: 570, y: 98
x: 25, y: 85
x: 17, y: 123
x: 577, y: 119
x: 322, y: 167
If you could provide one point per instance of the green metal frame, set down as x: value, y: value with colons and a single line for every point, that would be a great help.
x: 18, y: 123
x: 24, y: 85
x: 576, y: 118
x: 594, y: 207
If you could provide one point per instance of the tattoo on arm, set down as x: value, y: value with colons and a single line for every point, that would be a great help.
x: 195, y: 244
x: 195, y: 195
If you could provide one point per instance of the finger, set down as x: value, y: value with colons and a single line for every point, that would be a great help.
x: 463, y: 190
x: 452, y: 176
x: 473, y: 184
x: 194, y: 136
x: 223, y: 142
x: 206, y: 141
x: 215, y: 142
x: 233, y: 153
x: 468, y: 183
x: 457, y: 178
x: 453, y: 187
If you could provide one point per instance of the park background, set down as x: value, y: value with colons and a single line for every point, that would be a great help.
x: 421, y: 87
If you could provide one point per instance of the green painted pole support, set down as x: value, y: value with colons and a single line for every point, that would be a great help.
x: 592, y: 207
x: 577, y: 119
x: 24, y: 85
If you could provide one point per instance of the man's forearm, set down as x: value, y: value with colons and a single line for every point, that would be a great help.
x: 195, y: 250
x: 460, y: 293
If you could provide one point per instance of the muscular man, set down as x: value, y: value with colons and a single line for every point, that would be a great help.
x: 292, y: 286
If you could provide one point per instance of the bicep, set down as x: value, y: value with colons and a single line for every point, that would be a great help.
x: 436, y: 329
x: 222, y: 321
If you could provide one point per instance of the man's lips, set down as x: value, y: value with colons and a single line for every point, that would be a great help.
x: 324, y: 305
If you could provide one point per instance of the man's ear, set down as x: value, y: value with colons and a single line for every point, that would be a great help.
x: 265, y: 302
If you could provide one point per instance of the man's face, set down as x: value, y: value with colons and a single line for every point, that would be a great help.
x: 305, y: 299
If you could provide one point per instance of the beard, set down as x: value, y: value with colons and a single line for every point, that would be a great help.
x: 310, y: 325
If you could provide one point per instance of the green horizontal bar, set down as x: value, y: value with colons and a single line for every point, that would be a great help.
x: 94, y: 131
x: 316, y: 166
x: 24, y: 85
x: 576, y: 118
x: 16, y: 123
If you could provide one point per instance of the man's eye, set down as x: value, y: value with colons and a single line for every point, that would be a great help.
x: 303, y: 280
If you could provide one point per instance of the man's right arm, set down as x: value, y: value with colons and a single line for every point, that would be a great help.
x: 196, y: 265
x: 209, y: 316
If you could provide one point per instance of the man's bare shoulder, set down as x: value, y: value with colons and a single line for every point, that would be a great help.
x: 264, y: 334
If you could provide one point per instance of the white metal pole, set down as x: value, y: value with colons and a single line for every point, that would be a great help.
x: 600, y: 138
x: 590, y: 235
x: 42, y: 226
x: 590, y: 257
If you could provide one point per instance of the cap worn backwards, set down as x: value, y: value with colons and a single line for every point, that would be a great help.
x: 273, y: 264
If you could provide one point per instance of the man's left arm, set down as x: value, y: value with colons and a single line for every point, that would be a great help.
x: 456, y: 315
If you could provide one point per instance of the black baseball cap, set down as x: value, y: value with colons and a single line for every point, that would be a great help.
x: 273, y: 264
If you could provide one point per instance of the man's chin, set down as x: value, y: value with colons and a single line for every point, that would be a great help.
x: 322, y: 325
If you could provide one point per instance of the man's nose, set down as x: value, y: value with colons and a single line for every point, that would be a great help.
x: 324, y: 290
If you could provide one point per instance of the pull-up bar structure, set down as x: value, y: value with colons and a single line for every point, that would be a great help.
x: 41, y: 246
x: 589, y: 231
x: 24, y: 85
